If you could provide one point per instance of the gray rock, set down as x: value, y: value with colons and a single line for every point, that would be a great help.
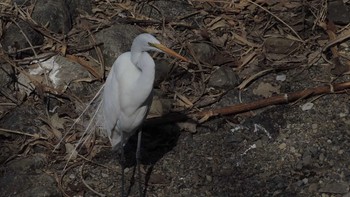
x: 224, y: 77
x: 204, y: 52
x: 335, y: 188
x: 23, y: 177
x: 338, y: 12
x: 5, y: 75
x: 28, y: 163
x: 163, y: 68
x: 170, y: 9
x: 116, y: 40
x: 77, y: 6
x: 14, y: 39
x: 347, y: 195
x: 60, y: 71
x: 24, y: 118
x: 53, y: 13
x: 28, y: 185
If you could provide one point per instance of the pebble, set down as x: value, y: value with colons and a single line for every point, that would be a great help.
x: 258, y: 144
x: 307, y: 106
x: 342, y: 115
x: 321, y: 157
x: 224, y: 77
x: 104, y: 175
x: 292, y: 149
x: 281, y: 77
x: 282, y: 146
x: 72, y: 176
x: 305, y: 181
x: 209, y: 178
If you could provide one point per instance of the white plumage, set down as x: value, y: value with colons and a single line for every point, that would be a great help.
x: 127, y: 93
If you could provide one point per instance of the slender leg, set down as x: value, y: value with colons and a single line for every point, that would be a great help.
x: 138, y: 157
x: 123, y: 169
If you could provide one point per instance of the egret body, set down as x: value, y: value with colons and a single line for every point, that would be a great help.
x: 127, y: 93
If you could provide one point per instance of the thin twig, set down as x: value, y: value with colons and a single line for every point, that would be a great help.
x: 295, y: 33
x: 87, y: 185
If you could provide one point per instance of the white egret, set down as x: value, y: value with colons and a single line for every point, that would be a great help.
x: 127, y: 93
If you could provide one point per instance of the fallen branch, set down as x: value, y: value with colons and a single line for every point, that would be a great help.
x: 244, y: 107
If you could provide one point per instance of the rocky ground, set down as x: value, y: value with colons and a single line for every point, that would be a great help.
x: 240, y: 51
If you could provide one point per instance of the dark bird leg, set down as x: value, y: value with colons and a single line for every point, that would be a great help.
x: 123, y: 161
x: 138, y: 157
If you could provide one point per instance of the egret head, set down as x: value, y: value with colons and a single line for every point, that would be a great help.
x: 143, y: 42
x: 147, y: 42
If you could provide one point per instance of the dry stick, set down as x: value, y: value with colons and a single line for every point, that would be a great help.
x: 99, y: 55
x: 60, y: 178
x: 295, y: 33
x: 336, y: 41
x: 244, y: 107
x: 36, y: 136
x: 275, y: 100
x: 27, y: 18
x: 86, y: 184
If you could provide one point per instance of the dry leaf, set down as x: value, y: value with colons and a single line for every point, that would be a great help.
x: 242, y: 40
x: 266, y: 90
x: 57, y: 122
x: 219, y: 41
x: 188, y: 126
x: 86, y: 64
x: 218, y: 24
x: 156, y: 109
x: 71, y: 151
x: 184, y: 101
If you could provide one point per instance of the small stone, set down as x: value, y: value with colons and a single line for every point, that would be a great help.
x: 282, y: 146
x: 321, y: 157
x: 307, y: 160
x: 342, y: 115
x: 314, y: 126
x: 305, y: 181
x: 209, y: 178
x: 281, y: 77
x: 313, y: 187
x: 224, y: 77
x: 72, y: 176
x: 258, y: 144
x: 307, y: 106
x: 104, y: 175
x: 292, y: 149
x: 340, y: 152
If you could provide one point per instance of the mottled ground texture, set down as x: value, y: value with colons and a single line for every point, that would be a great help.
x: 240, y: 51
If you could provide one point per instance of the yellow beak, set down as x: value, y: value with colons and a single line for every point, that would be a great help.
x: 168, y: 51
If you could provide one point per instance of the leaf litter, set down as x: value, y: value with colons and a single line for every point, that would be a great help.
x: 260, y: 38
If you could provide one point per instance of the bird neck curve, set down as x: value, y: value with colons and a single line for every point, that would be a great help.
x: 135, y: 57
x: 145, y: 63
